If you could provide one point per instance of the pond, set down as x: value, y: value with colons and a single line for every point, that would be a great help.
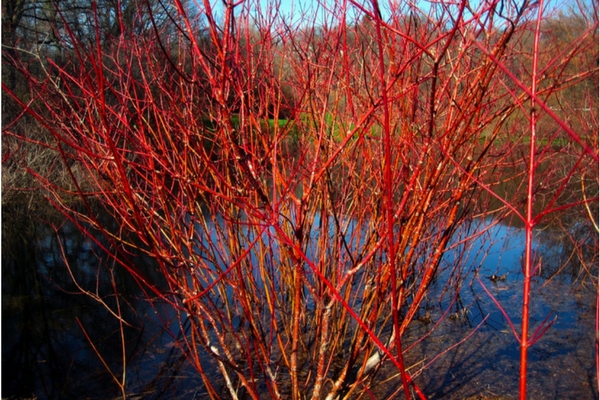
x: 471, y: 353
x: 561, y: 364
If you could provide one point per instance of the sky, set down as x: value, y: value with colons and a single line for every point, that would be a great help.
x: 294, y: 9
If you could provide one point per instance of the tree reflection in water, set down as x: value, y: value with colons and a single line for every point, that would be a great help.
x: 45, y: 353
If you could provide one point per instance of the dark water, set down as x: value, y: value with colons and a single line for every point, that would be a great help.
x: 46, y: 355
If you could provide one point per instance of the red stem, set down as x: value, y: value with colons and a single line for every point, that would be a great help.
x: 530, y: 218
x: 389, y: 197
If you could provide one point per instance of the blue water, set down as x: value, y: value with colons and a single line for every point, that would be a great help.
x: 46, y: 354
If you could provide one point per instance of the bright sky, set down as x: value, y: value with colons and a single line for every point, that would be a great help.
x: 295, y: 8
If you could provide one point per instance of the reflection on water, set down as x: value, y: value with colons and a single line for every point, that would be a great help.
x: 44, y: 351
x: 45, y: 354
x: 560, y: 365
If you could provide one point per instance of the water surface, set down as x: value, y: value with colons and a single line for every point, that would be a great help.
x: 45, y: 353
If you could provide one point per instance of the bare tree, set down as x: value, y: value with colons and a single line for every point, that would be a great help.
x: 299, y: 251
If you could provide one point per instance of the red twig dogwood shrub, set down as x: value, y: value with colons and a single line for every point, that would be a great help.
x: 298, y: 179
